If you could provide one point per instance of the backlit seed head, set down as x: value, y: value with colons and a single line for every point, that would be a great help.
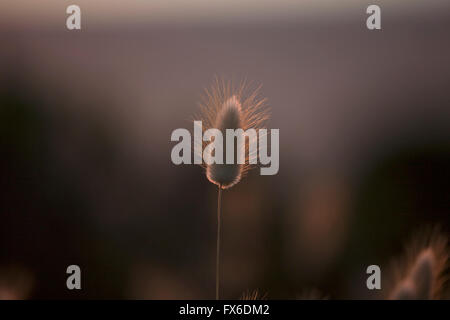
x: 421, y: 274
x: 228, y: 107
x: 229, y: 117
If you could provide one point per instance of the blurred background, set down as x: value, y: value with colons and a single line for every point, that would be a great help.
x: 85, y: 124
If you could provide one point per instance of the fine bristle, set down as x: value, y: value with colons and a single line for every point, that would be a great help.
x: 421, y: 273
x: 253, y: 295
x: 228, y: 107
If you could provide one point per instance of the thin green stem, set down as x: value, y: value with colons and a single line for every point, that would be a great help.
x: 219, y: 209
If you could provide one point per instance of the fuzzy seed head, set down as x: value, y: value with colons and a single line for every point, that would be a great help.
x: 229, y: 117
x: 228, y: 107
x: 420, y: 275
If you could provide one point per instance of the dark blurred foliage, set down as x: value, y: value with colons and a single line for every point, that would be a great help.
x: 42, y: 227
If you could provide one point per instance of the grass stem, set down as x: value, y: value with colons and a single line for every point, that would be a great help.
x: 219, y: 205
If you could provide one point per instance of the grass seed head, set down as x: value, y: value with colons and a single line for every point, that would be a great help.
x: 421, y: 274
x: 226, y: 106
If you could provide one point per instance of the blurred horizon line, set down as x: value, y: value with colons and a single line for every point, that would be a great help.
x: 107, y: 13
